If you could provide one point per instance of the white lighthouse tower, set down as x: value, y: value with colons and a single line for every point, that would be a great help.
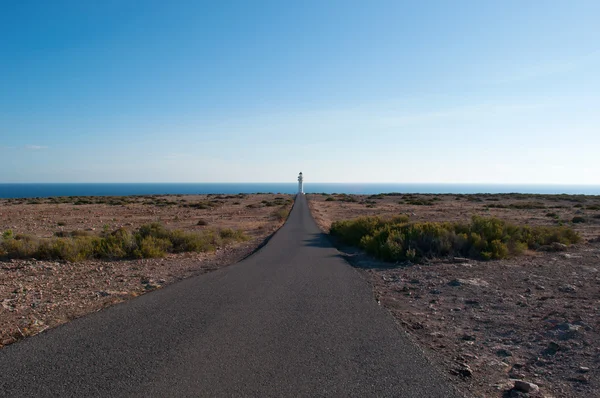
x: 300, y: 184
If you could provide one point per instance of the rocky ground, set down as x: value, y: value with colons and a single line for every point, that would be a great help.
x: 531, y: 322
x: 37, y: 295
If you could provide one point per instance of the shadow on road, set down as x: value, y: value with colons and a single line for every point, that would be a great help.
x: 318, y: 240
x: 352, y: 255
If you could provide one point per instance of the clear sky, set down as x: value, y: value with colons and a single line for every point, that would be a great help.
x: 256, y: 91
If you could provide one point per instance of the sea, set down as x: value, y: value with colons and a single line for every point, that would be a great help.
x: 35, y: 190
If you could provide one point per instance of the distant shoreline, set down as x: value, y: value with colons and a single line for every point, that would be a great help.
x: 45, y: 190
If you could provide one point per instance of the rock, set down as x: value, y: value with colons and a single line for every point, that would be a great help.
x: 559, y: 247
x: 584, y: 369
x: 552, y: 349
x: 468, y: 337
x: 524, y: 386
x: 472, y: 302
x: 554, y: 247
x: 454, y: 282
x: 567, y: 331
x: 504, y: 353
x: 463, y: 370
x: 460, y: 260
x: 567, y: 289
x: 435, y: 291
x: 579, y: 379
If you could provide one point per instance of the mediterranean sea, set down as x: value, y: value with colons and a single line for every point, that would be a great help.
x: 33, y: 190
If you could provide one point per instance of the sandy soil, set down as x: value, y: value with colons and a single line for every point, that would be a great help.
x: 534, y: 318
x: 37, y: 295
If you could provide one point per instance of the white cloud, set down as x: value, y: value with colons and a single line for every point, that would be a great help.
x: 35, y: 147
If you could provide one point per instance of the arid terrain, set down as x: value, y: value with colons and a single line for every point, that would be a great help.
x: 37, y: 295
x: 488, y: 324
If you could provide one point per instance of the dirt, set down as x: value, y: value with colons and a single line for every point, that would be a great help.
x: 534, y: 318
x: 38, y: 295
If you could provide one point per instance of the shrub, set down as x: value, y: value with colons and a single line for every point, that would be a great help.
x: 151, y: 247
x: 202, y: 222
x: 330, y: 199
x: 420, y: 202
x: 150, y: 240
x: 482, y: 238
x: 282, y: 213
x: 577, y: 220
x: 229, y: 233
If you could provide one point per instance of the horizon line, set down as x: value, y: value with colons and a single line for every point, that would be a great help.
x: 320, y: 182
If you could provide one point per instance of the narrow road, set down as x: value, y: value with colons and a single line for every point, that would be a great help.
x: 293, y: 319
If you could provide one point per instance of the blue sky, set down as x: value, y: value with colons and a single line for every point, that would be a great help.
x: 346, y: 91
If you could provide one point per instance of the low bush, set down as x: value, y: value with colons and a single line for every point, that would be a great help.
x: 483, y: 238
x: 420, y: 202
x: 282, y: 213
x: 577, y: 220
x: 149, y: 241
x: 346, y: 198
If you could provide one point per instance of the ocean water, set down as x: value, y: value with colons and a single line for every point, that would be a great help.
x: 31, y: 190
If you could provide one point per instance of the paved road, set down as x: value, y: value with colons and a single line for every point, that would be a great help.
x: 294, y: 319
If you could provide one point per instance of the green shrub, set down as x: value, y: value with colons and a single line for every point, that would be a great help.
x: 330, y: 199
x: 282, y: 213
x: 151, y: 247
x: 149, y: 241
x: 483, y: 238
x: 420, y: 202
x: 577, y: 220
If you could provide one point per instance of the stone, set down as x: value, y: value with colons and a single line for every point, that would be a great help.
x: 463, y: 370
x: 521, y: 385
x: 567, y: 331
x: 584, y: 369
x: 552, y: 349
x: 579, y: 379
x: 567, y: 289
x: 504, y: 353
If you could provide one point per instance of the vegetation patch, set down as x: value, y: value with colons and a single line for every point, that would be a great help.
x: 150, y: 240
x: 346, y: 198
x: 518, y: 206
x: 420, y: 202
x: 282, y: 213
x: 483, y: 238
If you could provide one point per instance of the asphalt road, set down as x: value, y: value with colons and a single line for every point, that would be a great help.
x: 294, y: 319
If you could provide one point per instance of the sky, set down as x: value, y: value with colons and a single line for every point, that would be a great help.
x: 344, y: 91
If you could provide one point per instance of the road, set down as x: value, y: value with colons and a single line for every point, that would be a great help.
x: 294, y: 319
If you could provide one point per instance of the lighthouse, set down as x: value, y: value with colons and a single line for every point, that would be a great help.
x: 300, y: 183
